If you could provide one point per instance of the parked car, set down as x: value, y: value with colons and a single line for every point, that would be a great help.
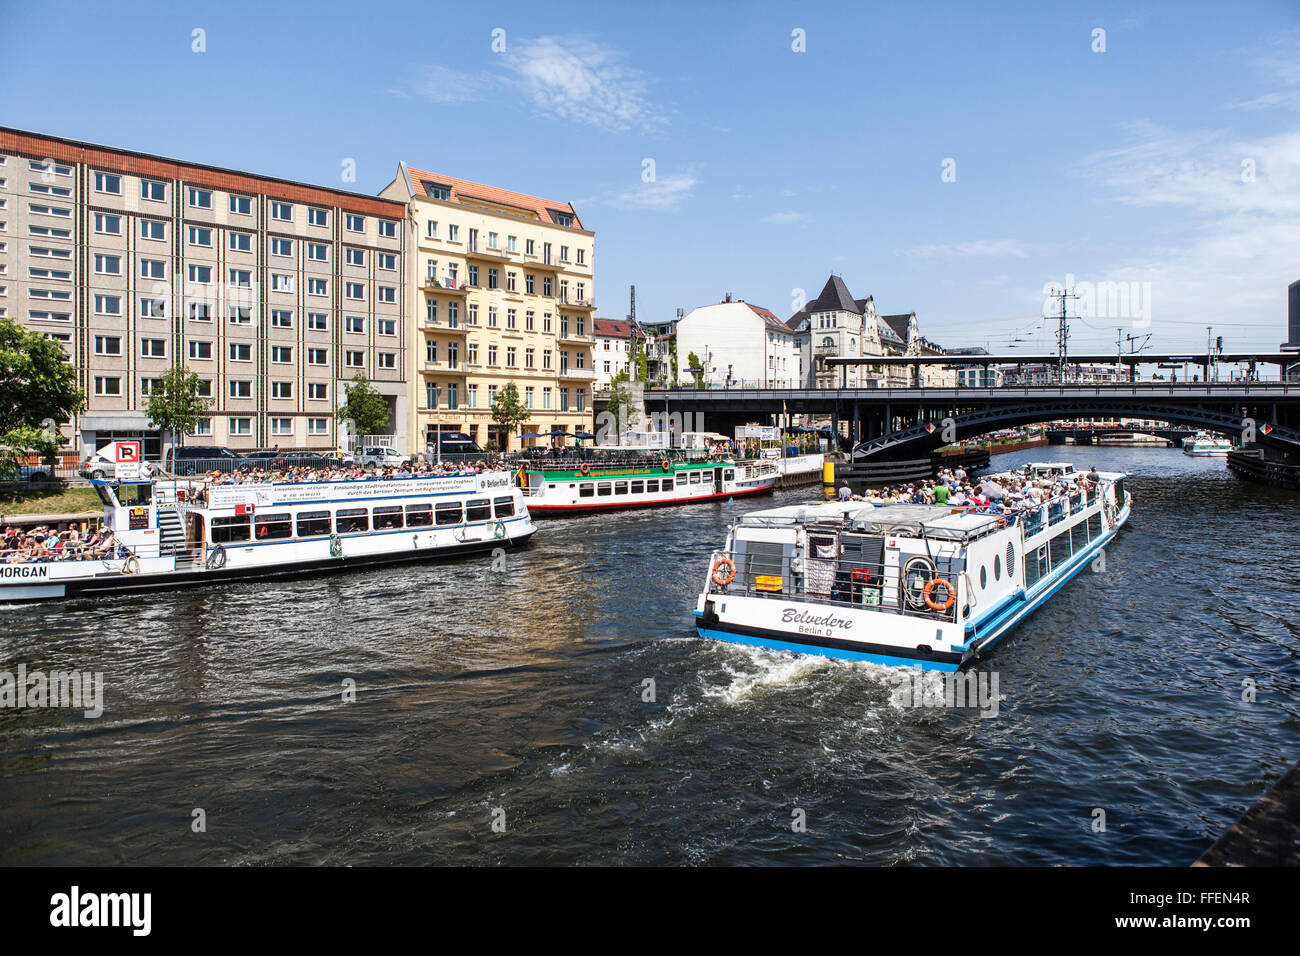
x: 193, y: 459
x: 375, y: 456
x: 452, y: 443
x: 292, y: 458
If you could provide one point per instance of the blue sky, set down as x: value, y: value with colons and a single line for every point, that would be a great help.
x: 1170, y: 162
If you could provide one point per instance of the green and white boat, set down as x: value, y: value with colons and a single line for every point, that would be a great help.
x: 572, y: 486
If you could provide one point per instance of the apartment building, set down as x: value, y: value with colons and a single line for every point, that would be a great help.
x: 275, y: 293
x: 502, y: 290
x: 613, y: 349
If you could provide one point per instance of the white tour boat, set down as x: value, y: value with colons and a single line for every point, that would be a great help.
x: 573, y: 486
x: 178, y: 533
x: 1205, y: 445
x: 903, y: 584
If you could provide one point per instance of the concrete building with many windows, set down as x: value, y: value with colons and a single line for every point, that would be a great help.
x: 738, y: 345
x: 502, y: 288
x: 274, y: 292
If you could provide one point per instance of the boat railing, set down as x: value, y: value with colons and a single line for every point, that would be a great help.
x: 842, y: 581
x: 596, y: 465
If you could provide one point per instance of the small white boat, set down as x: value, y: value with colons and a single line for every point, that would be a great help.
x: 177, y: 533
x: 901, y: 584
x: 1205, y: 445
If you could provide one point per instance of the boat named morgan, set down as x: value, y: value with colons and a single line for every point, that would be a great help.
x: 177, y: 533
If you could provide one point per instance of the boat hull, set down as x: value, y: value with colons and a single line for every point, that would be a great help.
x: 145, y: 583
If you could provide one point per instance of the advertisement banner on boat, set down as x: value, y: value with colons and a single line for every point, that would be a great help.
x: 264, y: 495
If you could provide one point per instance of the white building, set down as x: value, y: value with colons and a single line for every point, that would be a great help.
x: 612, y: 350
x: 738, y: 345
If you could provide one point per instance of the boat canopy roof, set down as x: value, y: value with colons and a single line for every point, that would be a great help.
x: 906, y: 519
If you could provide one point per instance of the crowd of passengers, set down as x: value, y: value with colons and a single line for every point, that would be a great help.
x: 410, y: 469
x: 1009, y: 493
x: 43, y: 543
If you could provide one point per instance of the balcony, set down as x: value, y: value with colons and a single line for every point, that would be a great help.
x: 581, y: 338
x: 575, y: 304
x: 490, y: 255
x: 445, y: 326
x: 442, y: 368
x: 432, y: 284
x: 534, y: 262
x: 824, y: 350
x: 582, y: 374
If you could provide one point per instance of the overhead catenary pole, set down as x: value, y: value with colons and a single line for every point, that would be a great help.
x: 1063, y: 335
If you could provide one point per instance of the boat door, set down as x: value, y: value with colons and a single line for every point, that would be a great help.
x: 717, y: 481
x: 194, y: 533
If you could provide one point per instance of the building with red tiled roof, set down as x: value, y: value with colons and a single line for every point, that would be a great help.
x: 738, y: 345
x: 613, y: 349
x: 503, y: 287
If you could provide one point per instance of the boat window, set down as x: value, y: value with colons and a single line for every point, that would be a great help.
x: 652, y: 486
x: 230, y: 528
x: 681, y: 478
x: 1011, y: 560
x: 620, y: 487
x: 419, y: 516
x: 1094, y: 525
x: 478, y: 509
x: 273, y: 526
x: 447, y: 513
x: 638, y: 488
x: 503, y: 507
x: 604, y: 488
x: 135, y: 494
x: 984, y: 577
x: 586, y: 490
x: 313, y: 523
x: 730, y: 475
x: 349, y: 520
x: 1059, y: 548
x: 1035, y: 566
x: 997, y: 567
x: 388, y: 518
x: 1079, y: 535
x: 695, y: 477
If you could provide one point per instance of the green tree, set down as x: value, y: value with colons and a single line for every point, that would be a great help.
x: 37, y: 386
x: 175, y: 404
x: 365, y: 407
x: 696, y: 368
x: 507, y: 410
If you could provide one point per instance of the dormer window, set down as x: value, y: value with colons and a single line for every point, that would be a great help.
x: 562, y: 218
x: 437, y: 191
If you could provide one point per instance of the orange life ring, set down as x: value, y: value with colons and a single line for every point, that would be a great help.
x: 947, y: 586
x: 666, y: 465
x: 584, y: 468
x: 731, y: 572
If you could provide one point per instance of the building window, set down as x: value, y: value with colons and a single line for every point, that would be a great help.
x: 108, y: 385
x: 281, y: 319
x: 200, y: 274
x: 241, y: 241
x: 241, y: 426
x: 200, y: 350
x: 356, y: 359
x: 153, y: 229
x: 200, y: 198
x: 108, y: 265
x: 108, y: 305
x: 318, y: 251
x: 355, y: 290
x: 240, y: 388
x: 281, y: 247
x: 154, y: 191
x: 241, y: 352
x: 317, y: 216
x: 281, y: 354
x: 242, y: 205
x: 356, y: 223
x: 108, y: 345
x: 200, y: 236
x: 318, y: 391
x: 282, y: 211
x: 153, y: 269
x: 317, y: 426
x: 153, y: 348
x: 355, y: 323
x: 386, y: 293
x: 318, y: 322
x: 318, y: 287
x: 317, y: 357
x: 108, y: 183
x: 354, y: 257
x: 387, y: 359
x: 387, y: 229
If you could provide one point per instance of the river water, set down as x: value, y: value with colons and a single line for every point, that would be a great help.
x: 517, y: 698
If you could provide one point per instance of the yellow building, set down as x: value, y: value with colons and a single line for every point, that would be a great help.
x: 502, y: 288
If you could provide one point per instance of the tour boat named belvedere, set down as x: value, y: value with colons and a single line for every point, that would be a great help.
x: 903, y: 584
x: 181, y: 533
x: 564, y: 486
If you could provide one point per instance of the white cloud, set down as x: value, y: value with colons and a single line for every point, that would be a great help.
x: 1240, y: 240
x: 579, y: 80
x: 666, y: 192
x: 975, y: 248
x: 444, y: 86
x: 784, y: 218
